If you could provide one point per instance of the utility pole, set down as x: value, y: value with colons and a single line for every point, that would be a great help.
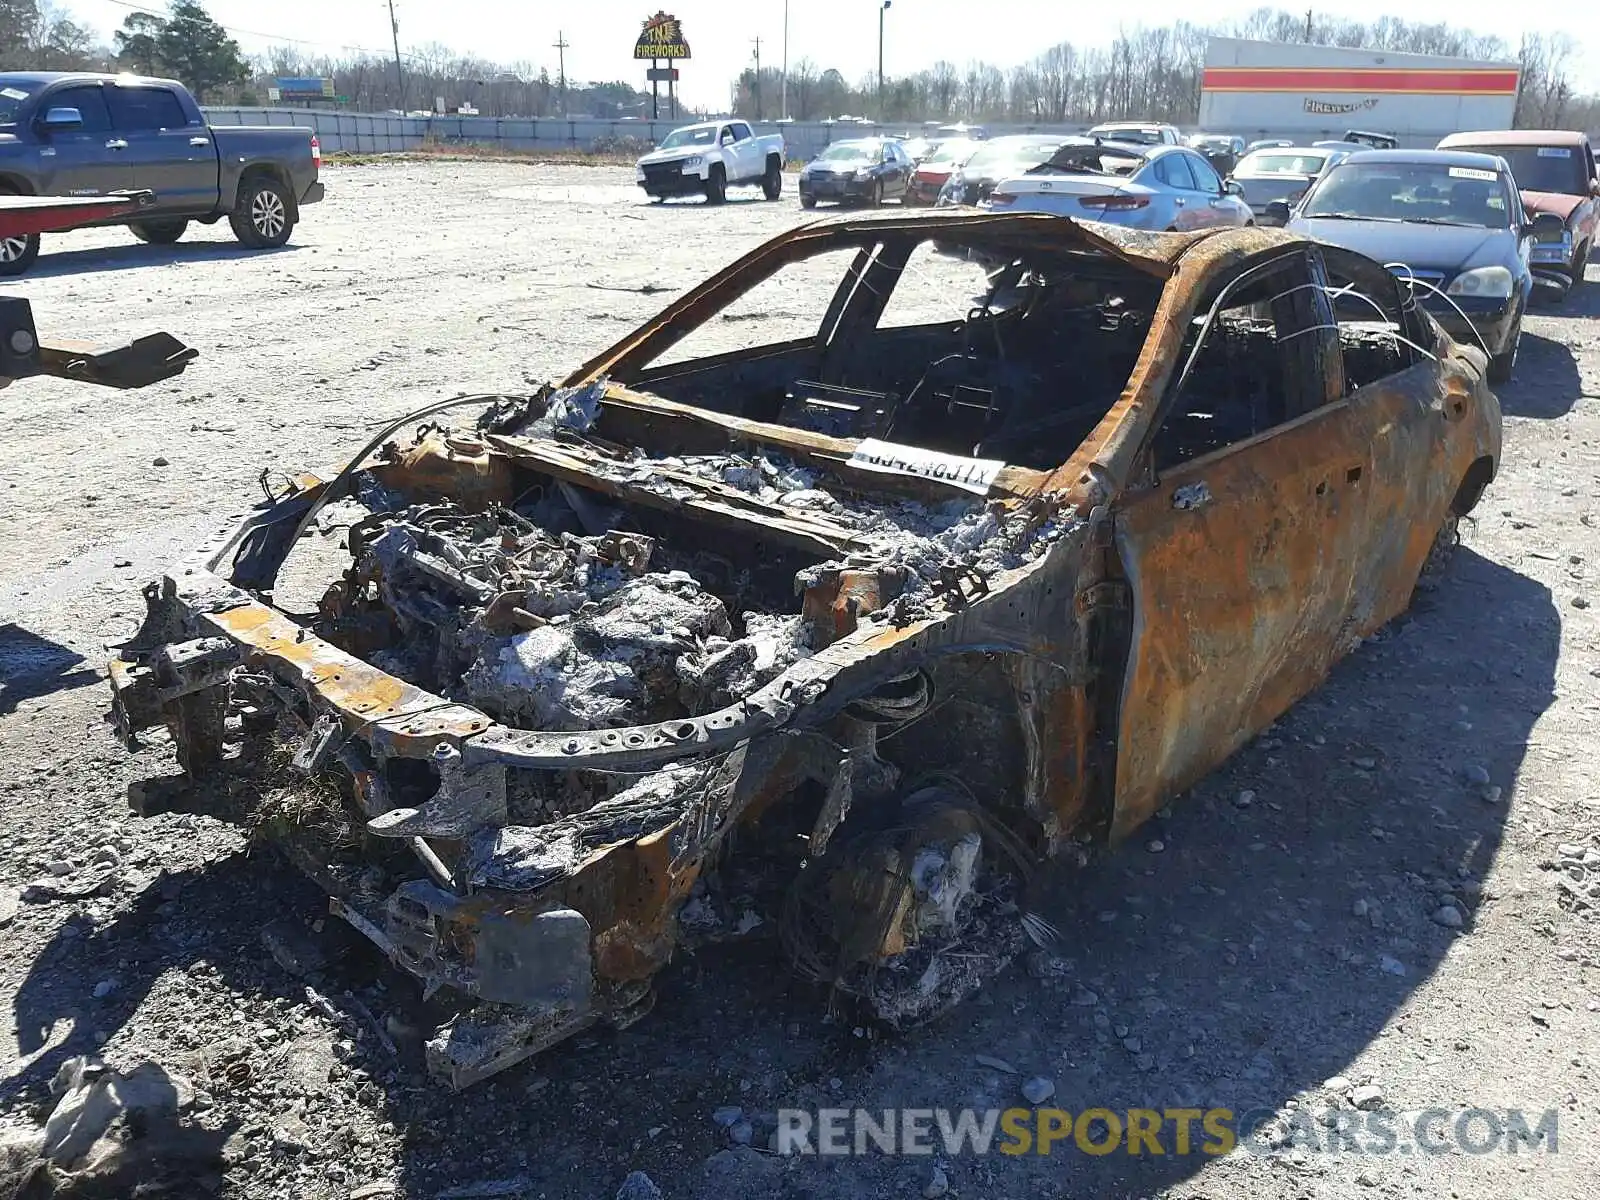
x: 785, y: 60
x: 561, y: 47
x: 1308, y: 25
x: 756, y: 86
x: 399, y: 78
x: 881, y: 11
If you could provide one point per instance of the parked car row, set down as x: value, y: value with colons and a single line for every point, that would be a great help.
x: 1451, y: 224
x: 1472, y: 228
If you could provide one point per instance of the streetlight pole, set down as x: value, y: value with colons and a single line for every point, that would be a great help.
x: 785, y: 60
x: 881, y: 11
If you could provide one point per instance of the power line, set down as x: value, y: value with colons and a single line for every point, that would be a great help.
x: 256, y: 33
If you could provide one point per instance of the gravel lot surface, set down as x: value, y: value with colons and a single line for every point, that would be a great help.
x: 1396, y: 887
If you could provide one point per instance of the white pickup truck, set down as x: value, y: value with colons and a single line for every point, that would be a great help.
x: 706, y: 160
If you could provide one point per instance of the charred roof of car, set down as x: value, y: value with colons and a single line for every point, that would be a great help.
x: 1152, y: 254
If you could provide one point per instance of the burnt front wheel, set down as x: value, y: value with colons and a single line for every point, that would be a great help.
x: 1440, y: 553
x: 262, y: 219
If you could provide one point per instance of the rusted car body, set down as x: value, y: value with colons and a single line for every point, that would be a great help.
x: 885, y: 612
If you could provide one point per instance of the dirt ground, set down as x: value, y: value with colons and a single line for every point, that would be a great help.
x: 1277, y: 927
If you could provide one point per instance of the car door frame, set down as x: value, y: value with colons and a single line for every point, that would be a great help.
x: 747, y: 151
x: 1239, y: 571
x: 97, y: 165
x: 1214, y: 213
x: 1589, y: 220
x: 1181, y: 198
x: 177, y: 163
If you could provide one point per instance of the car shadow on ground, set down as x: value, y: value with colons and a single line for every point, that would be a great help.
x: 1219, y: 959
x: 140, y: 254
x: 1546, y: 382
x: 686, y: 203
x: 32, y: 666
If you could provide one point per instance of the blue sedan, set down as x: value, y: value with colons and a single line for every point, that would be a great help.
x: 1141, y: 187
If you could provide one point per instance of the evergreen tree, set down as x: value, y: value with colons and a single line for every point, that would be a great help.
x: 198, y: 51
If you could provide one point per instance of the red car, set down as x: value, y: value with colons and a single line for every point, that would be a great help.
x: 932, y: 172
x: 1555, y: 172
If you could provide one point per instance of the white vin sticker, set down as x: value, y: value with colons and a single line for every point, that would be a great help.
x: 970, y: 474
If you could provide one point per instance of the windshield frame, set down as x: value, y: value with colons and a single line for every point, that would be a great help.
x: 690, y: 139
x: 11, y: 107
x: 1012, y: 153
x: 858, y: 150
x: 1138, y: 135
x: 1412, y: 174
x: 1245, y: 163
x: 956, y: 152
x: 1572, y: 161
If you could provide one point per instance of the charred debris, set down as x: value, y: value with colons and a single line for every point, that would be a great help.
x: 551, y: 606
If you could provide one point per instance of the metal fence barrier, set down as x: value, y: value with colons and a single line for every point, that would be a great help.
x: 377, y: 133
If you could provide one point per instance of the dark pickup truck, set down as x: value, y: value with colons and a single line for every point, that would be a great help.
x: 96, y: 135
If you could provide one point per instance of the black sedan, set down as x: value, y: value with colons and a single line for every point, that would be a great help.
x: 861, y: 171
x: 1449, y: 222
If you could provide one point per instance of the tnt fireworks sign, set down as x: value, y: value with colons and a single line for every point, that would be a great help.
x: 662, y: 37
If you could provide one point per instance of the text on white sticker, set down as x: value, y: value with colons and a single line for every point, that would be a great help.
x: 970, y: 474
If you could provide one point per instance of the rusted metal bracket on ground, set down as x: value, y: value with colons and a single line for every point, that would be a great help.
x: 140, y: 363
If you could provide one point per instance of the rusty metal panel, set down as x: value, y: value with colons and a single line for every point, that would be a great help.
x: 409, y: 719
x: 1426, y: 427
x: 1240, y: 597
x: 1304, y: 540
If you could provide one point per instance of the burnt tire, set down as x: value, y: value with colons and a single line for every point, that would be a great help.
x: 772, y: 181
x: 263, y: 218
x: 17, y: 253
x: 158, y: 233
x: 716, y: 186
x: 876, y: 199
x: 1440, y: 553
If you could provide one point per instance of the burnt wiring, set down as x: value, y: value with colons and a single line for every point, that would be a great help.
x: 337, y: 486
x: 1414, y: 282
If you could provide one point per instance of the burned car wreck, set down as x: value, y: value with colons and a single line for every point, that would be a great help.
x: 1028, y: 526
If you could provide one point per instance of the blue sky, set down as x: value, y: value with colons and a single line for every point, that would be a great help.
x: 841, y: 33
